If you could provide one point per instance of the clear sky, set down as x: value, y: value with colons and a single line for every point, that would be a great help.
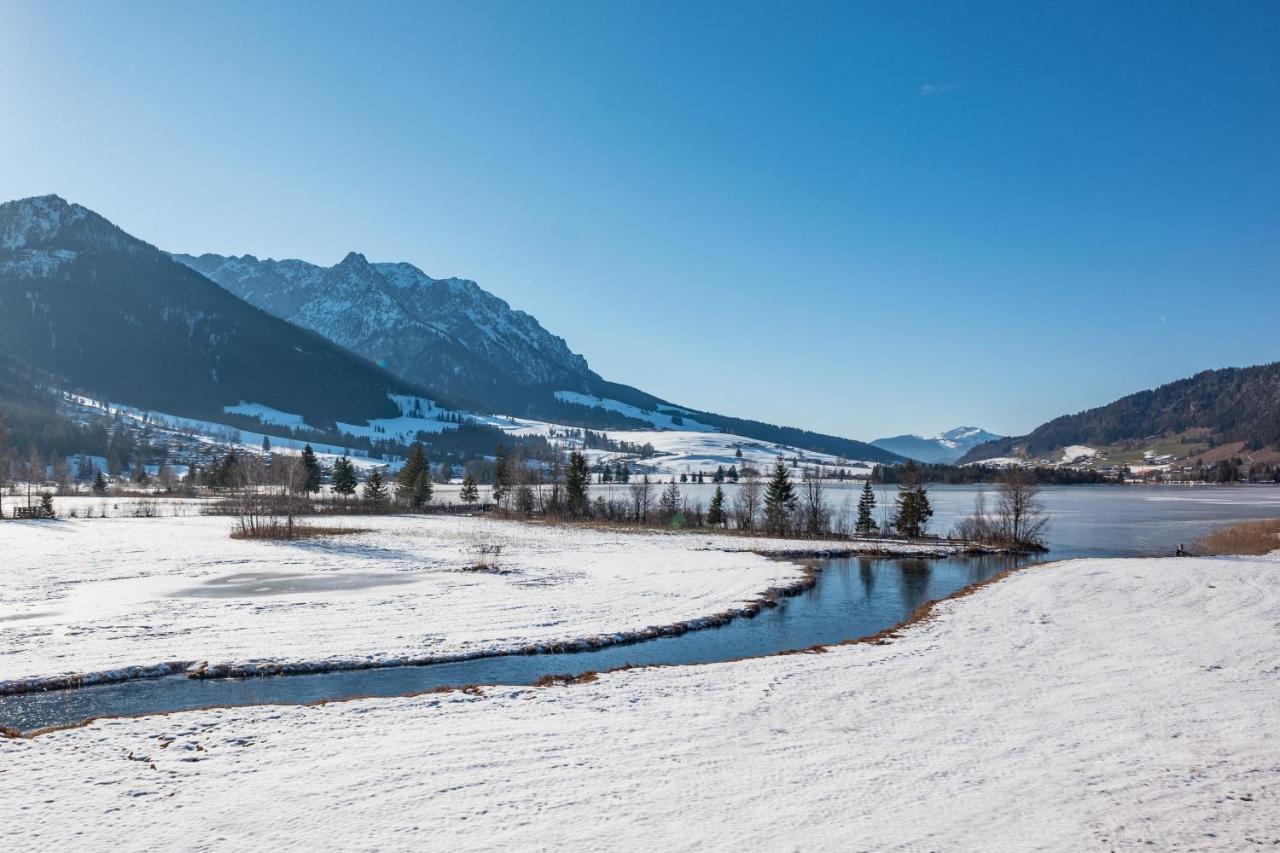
x: 863, y: 219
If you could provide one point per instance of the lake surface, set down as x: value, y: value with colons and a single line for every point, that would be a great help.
x: 853, y: 598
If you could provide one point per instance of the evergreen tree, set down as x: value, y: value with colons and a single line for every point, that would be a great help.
x: 46, y: 505
x: 422, y: 489
x: 99, y: 482
x: 625, y: 475
x: 669, y: 502
x: 469, y: 493
x: 375, y: 491
x: 913, y: 508
x: 779, y: 500
x: 733, y: 473
x: 866, y: 524
x: 344, y: 477
x: 501, y: 476
x: 684, y: 478
x: 577, y: 478
x: 311, y: 469
x: 715, y: 513
x: 266, y: 445
x: 407, y: 479
x: 718, y: 476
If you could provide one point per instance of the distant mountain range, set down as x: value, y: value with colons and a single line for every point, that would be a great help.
x: 82, y: 299
x: 190, y: 336
x: 1232, y: 405
x: 945, y: 447
x: 452, y: 335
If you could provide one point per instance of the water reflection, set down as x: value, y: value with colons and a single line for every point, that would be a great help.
x: 853, y: 598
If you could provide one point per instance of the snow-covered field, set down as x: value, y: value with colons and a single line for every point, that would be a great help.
x: 102, y: 596
x: 1090, y: 705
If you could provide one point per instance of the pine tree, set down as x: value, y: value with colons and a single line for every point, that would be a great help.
x: 779, y: 500
x: 866, y: 524
x: 469, y: 493
x: 733, y: 473
x: 422, y: 489
x: 375, y: 491
x: 501, y: 476
x: 577, y: 478
x: 312, y: 471
x: 266, y: 445
x: 669, y: 502
x: 407, y: 479
x: 718, y: 476
x: 344, y: 477
x: 913, y: 509
x: 715, y: 513
x: 99, y: 482
x: 46, y: 505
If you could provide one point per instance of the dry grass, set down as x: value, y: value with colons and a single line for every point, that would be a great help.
x: 565, y: 679
x: 1244, y: 537
x: 296, y: 531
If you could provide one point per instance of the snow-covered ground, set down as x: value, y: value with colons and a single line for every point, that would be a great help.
x: 1090, y: 705
x: 103, y: 596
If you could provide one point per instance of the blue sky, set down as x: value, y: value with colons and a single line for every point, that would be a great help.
x: 863, y: 219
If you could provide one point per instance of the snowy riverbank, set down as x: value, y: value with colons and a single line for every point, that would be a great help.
x: 87, y: 601
x: 1089, y: 705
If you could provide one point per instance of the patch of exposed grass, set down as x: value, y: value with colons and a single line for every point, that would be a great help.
x: 295, y: 531
x: 565, y: 679
x: 1243, y: 537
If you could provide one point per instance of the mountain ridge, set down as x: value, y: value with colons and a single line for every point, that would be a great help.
x: 81, y: 298
x: 944, y: 447
x: 472, y: 345
x: 1231, y: 404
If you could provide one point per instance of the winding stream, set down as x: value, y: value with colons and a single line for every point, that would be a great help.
x: 853, y: 598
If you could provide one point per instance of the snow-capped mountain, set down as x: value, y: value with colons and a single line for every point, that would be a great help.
x: 446, y: 333
x: 944, y: 447
x: 453, y: 336
x: 82, y: 299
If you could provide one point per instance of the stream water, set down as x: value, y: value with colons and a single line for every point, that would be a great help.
x: 852, y: 598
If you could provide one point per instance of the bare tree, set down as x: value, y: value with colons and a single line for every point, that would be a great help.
x: 746, y: 503
x: 815, y: 515
x: 1020, y: 516
x: 978, y: 526
x: 641, y: 499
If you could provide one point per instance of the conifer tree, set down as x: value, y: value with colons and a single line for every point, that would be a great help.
x: 344, y: 477
x: 669, y: 502
x: 469, y: 493
x: 501, y: 476
x: 99, y: 482
x: 733, y: 473
x: 311, y: 468
x: 266, y: 445
x: 779, y: 500
x: 913, y: 509
x: 375, y: 491
x: 577, y: 478
x: 715, y: 513
x: 422, y: 489
x: 407, y: 479
x: 866, y: 523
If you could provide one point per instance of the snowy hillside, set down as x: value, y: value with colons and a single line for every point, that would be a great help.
x: 448, y: 334
x: 944, y: 447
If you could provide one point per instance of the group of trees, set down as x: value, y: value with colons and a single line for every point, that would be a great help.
x: 1019, y: 520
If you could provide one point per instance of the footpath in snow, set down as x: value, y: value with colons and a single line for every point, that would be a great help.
x: 1088, y: 705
